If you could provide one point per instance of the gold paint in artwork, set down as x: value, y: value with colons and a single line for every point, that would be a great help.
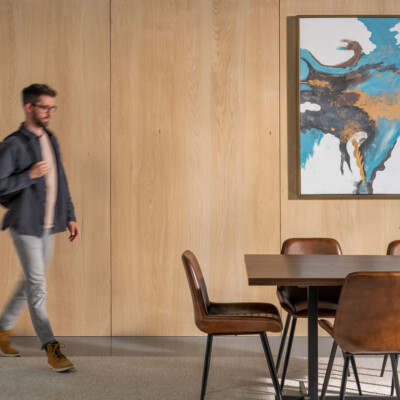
x: 349, y: 130
x: 359, y: 159
x: 317, y: 82
x: 386, y: 105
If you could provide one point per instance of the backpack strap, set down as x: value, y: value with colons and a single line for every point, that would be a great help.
x: 28, y: 144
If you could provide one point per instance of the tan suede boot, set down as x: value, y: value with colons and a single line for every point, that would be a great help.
x: 56, y: 359
x: 5, y: 349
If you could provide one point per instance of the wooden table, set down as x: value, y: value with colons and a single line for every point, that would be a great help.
x: 312, y: 271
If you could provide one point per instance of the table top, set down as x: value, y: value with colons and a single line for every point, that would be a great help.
x: 312, y: 270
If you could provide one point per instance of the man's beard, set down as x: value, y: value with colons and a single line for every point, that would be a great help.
x: 39, y: 122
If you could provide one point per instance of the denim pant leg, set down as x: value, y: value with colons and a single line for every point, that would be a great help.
x: 14, y: 307
x: 33, y: 253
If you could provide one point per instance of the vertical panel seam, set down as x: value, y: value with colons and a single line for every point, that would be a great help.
x: 110, y: 166
x: 279, y: 125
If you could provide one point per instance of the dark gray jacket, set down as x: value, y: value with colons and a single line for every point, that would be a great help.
x: 25, y: 197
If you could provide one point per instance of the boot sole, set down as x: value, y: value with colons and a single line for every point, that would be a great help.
x: 9, y: 355
x: 60, y: 369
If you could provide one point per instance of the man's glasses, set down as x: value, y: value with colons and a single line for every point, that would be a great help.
x: 45, y: 108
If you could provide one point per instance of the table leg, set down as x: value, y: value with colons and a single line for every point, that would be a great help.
x: 313, y: 342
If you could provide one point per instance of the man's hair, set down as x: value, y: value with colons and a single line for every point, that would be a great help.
x: 32, y: 93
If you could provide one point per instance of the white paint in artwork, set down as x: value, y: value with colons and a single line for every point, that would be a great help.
x: 323, y: 36
x: 384, y: 182
x: 359, y: 137
x: 321, y: 173
x: 308, y: 106
x: 396, y: 28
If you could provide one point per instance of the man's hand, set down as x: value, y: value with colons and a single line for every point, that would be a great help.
x: 38, y: 169
x: 73, y: 230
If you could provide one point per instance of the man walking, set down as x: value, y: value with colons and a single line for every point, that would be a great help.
x: 34, y: 188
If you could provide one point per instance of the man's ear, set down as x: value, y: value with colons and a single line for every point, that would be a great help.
x: 28, y: 107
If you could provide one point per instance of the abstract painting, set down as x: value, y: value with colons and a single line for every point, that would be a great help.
x: 349, y: 98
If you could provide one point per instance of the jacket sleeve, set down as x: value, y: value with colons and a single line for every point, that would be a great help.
x: 70, y: 206
x: 11, y: 181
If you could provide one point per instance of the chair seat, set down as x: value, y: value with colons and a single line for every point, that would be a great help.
x: 300, y: 309
x: 294, y: 301
x: 241, y: 318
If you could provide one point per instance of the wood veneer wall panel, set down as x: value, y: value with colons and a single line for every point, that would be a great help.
x: 361, y: 226
x: 195, y: 154
x: 261, y: 159
x: 66, y: 44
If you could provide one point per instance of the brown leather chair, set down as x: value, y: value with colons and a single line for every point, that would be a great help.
x: 392, y: 250
x: 365, y: 323
x: 293, y: 299
x: 229, y: 319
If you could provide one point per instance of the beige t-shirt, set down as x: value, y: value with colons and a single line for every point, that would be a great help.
x: 51, y: 179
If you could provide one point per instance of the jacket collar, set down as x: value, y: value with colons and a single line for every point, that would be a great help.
x: 30, y: 134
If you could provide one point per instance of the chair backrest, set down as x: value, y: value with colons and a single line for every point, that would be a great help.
x: 394, y: 248
x: 311, y: 246
x: 197, y: 286
x: 367, y: 318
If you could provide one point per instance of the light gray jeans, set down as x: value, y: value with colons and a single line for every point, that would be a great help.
x: 34, y: 254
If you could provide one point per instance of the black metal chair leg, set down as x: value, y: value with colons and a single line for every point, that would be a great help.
x: 344, y: 377
x: 396, y: 357
x: 384, y: 364
x: 353, y: 364
x: 288, y: 351
x: 328, y: 371
x: 348, y: 372
x: 271, y: 365
x: 206, y: 366
x: 283, y: 341
x: 395, y: 380
x: 392, y: 387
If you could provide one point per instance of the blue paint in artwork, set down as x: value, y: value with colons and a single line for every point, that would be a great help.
x: 386, y: 53
x: 306, y: 55
x: 381, y: 78
x: 308, y: 140
x: 303, y: 70
x: 375, y: 154
x: 381, y: 36
x: 304, y: 87
x: 380, y: 83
